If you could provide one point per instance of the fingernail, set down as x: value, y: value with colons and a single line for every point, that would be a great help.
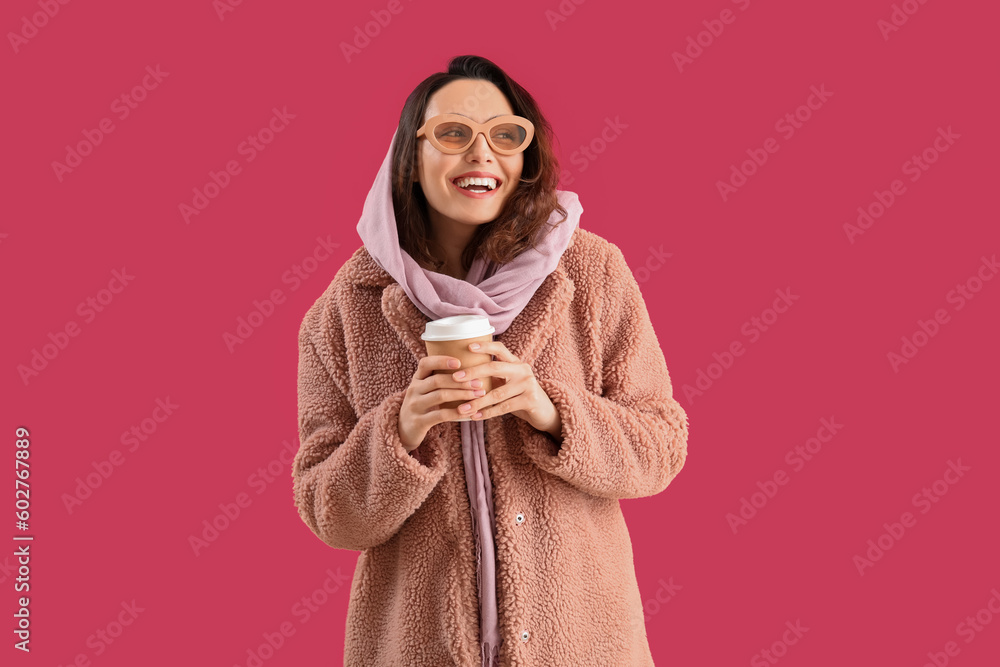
x: 459, y: 375
x: 465, y: 408
x: 474, y: 346
x: 454, y: 363
x: 480, y: 392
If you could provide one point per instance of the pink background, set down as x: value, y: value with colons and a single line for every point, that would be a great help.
x: 653, y: 189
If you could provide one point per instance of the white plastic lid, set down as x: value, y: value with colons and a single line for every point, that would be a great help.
x: 457, y: 327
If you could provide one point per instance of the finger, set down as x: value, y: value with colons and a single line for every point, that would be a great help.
x: 487, y: 369
x: 496, y: 348
x: 433, y: 400
x: 440, y: 388
x: 443, y: 379
x: 508, y: 396
x: 427, y: 365
x: 495, y: 408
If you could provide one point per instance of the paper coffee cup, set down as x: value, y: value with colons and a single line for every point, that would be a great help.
x: 451, y: 336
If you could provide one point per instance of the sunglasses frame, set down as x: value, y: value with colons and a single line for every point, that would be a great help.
x: 427, y: 131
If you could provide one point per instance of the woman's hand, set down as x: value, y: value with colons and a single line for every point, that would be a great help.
x: 519, y: 394
x: 426, y: 392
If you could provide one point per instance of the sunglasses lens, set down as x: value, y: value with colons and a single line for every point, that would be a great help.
x: 453, y: 134
x: 457, y: 135
x: 508, y: 136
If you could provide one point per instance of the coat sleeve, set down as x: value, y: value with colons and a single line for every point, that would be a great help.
x: 630, y: 441
x: 353, y: 482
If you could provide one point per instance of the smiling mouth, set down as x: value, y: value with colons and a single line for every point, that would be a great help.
x: 477, y: 187
x: 478, y: 193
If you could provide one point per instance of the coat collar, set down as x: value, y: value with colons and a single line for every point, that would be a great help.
x: 527, y: 335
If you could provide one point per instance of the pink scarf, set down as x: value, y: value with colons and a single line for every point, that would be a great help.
x: 500, y: 294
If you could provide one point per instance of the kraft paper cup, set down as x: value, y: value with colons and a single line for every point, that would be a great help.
x: 451, y: 336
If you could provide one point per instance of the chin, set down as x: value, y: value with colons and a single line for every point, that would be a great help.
x: 475, y: 210
x: 474, y: 221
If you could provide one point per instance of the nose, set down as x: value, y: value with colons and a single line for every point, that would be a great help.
x: 480, y: 148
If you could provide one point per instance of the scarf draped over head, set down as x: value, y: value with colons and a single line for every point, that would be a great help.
x: 500, y: 296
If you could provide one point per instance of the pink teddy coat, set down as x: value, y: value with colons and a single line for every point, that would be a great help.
x: 566, y: 585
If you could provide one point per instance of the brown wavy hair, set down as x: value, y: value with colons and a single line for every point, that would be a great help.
x: 527, y: 208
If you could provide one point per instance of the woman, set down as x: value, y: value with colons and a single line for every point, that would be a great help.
x: 496, y: 540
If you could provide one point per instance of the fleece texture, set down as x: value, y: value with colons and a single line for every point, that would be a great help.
x: 566, y: 585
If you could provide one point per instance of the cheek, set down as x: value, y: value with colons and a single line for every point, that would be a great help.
x: 434, y: 169
x: 514, y: 169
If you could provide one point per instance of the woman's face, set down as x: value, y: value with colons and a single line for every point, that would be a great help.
x: 436, y: 171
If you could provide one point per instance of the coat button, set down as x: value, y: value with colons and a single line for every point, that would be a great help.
x: 519, y: 518
x: 524, y: 635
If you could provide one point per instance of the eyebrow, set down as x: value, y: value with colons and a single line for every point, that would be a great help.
x: 471, y: 118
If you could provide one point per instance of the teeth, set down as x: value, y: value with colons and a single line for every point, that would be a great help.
x: 491, y: 183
